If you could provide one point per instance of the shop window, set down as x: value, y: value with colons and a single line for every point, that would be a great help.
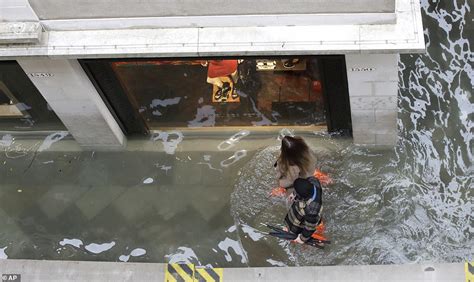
x: 214, y: 92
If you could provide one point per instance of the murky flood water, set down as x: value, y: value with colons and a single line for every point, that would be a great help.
x: 180, y: 197
x: 406, y: 205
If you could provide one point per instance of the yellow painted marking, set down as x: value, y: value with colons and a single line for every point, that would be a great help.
x: 469, y: 270
x: 179, y: 272
x: 190, y: 273
x: 220, y: 272
x: 169, y: 277
x: 203, y: 274
x: 209, y: 274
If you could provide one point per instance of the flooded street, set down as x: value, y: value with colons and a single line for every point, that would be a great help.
x: 186, y: 196
x: 406, y: 205
x: 167, y: 199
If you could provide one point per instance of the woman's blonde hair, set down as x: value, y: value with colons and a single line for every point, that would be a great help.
x: 295, y: 151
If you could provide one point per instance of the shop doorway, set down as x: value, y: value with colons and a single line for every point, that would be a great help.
x: 155, y: 94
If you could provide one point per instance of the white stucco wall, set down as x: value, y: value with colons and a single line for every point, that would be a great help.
x: 373, y: 93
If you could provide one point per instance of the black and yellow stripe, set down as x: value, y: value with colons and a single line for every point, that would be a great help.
x: 469, y: 270
x: 179, y: 273
x: 208, y: 274
x: 189, y: 273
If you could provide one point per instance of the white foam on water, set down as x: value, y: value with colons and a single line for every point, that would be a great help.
x: 157, y: 113
x: 183, y: 255
x: 234, y: 245
x: 234, y: 139
x: 239, y: 135
x: 134, y: 253
x: 207, y: 159
x: 6, y: 141
x: 286, y: 247
x: 164, y: 103
x: 51, y: 139
x: 73, y: 242
x: 210, y: 166
x: 205, y: 116
x: 285, y: 132
x: 3, y: 255
x: 124, y: 258
x: 252, y: 232
x: 234, y: 158
x: 170, y: 140
x: 149, y: 180
x: 276, y: 263
x: 99, y: 248
x: 18, y: 151
x: 163, y: 167
x: 138, y: 252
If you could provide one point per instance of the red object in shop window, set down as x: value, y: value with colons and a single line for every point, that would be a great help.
x: 218, y: 68
x: 317, y: 86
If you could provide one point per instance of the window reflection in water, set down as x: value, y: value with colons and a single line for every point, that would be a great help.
x: 231, y: 92
x: 22, y: 107
x: 9, y: 106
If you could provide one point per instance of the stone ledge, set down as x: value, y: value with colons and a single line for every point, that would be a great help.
x: 20, y: 32
x: 221, y: 21
x: 33, y: 270
x: 404, y: 36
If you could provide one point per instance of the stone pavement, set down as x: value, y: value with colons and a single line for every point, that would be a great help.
x: 32, y: 270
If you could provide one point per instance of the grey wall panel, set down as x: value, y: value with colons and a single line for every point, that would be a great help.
x: 60, y: 9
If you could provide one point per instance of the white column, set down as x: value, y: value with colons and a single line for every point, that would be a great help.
x: 373, y: 93
x: 72, y: 96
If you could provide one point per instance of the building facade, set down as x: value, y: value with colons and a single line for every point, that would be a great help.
x: 105, y: 70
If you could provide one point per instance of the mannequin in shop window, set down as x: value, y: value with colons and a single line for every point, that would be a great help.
x: 290, y: 63
x: 217, y: 71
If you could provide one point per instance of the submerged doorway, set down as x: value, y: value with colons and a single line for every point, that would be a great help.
x: 22, y: 107
x: 153, y: 94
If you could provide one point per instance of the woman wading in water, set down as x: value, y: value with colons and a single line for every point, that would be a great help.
x: 295, y: 161
x: 295, y: 169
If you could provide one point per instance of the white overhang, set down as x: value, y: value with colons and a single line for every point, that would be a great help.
x: 405, y: 35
